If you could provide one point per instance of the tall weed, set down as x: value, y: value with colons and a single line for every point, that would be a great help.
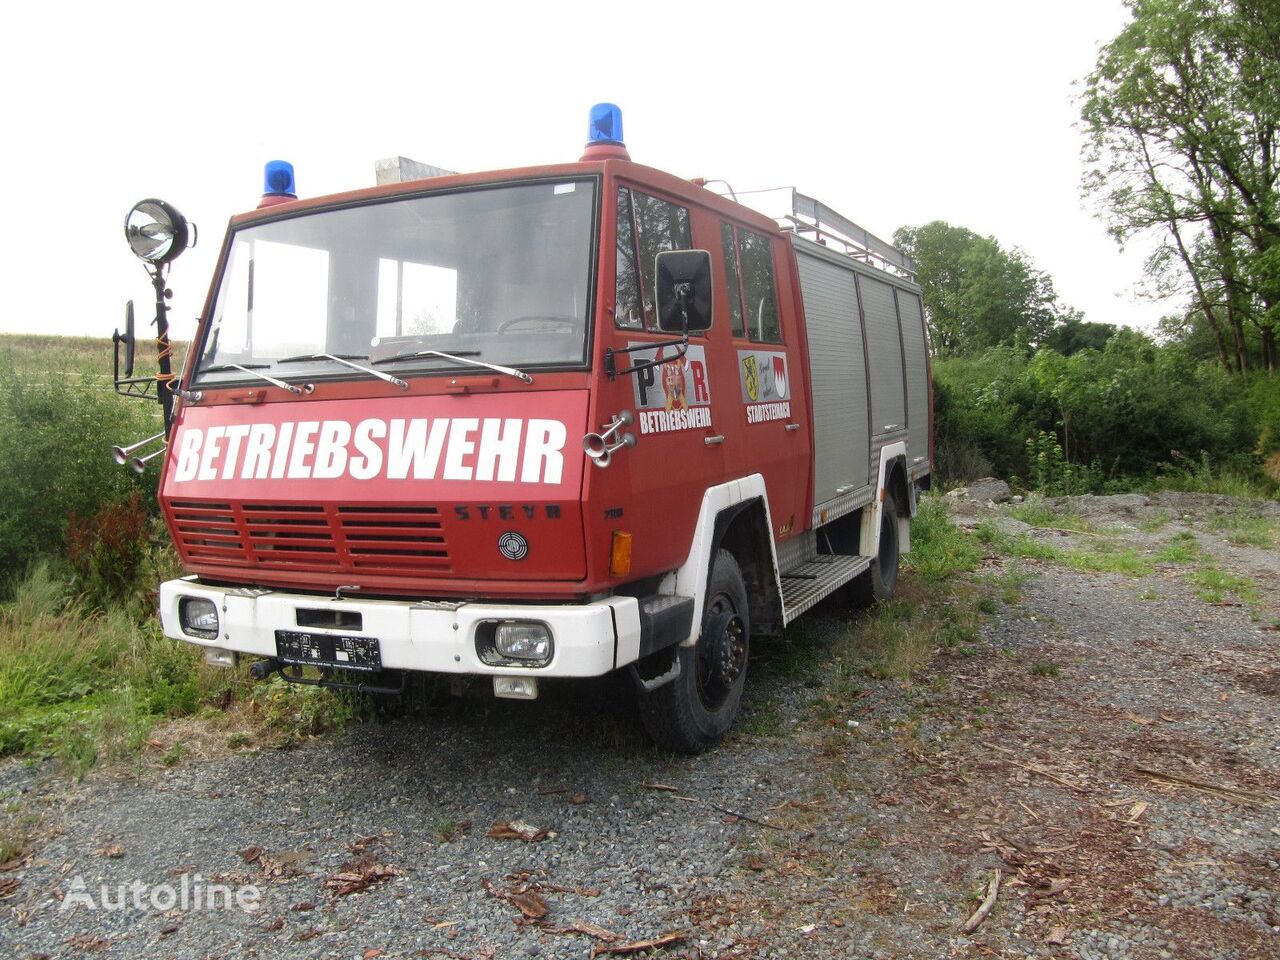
x: 55, y: 440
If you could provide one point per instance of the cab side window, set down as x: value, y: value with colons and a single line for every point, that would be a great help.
x: 646, y: 227
x: 753, y: 296
x: 733, y: 276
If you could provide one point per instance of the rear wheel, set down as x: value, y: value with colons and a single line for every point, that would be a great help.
x: 879, y: 581
x: 697, y: 708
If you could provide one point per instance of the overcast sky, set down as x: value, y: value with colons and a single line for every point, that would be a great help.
x: 890, y: 113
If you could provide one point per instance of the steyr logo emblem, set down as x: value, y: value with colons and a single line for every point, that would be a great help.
x: 513, y: 546
x: 751, y: 375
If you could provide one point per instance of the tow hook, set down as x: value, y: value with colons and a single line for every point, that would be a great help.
x: 261, y: 669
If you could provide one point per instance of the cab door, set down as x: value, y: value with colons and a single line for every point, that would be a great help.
x: 769, y: 423
x: 679, y: 399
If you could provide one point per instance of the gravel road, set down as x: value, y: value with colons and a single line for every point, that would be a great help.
x: 1110, y: 744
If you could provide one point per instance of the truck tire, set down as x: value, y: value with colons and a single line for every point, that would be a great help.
x: 697, y: 708
x: 879, y: 581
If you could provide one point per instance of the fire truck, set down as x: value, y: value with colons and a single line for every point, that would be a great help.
x: 533, y: 424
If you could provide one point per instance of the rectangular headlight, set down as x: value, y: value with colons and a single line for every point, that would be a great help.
x: 510, y: 642
x: 198, y: 616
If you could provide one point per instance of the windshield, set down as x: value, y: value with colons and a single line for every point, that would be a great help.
x: 497, y: 274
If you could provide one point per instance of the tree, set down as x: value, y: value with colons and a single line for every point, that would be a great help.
x: 977, y: 294
x: 1182, y: 119
x: 1075, y: 334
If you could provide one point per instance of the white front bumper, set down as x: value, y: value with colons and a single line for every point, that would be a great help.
x: 591, y: 639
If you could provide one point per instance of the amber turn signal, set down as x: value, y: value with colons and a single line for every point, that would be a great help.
x: 620, y: 554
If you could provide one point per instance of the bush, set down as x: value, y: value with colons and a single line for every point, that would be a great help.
x: 81, y: 684
x: 1102, y: 420
x: 55, y: 440
x: 106, y: 550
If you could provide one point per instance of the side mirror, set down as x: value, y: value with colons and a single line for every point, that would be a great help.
x: 127, y: 338
x: 684, y: 291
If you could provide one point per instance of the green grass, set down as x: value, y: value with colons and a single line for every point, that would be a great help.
x: 933, y: 609
x: 1008, y: 582
x: 1036, y: 513
x: 939, y: 549
x: 1203, y: 478
x: 1100, y: 556
x: 1215, y: 585
x: 1155, y: 522
x: 1183, y: 549
x: 17, y: 824
x: 1045, y: 668
x: 1245, y: 529
x: 77, y: 357
x: 763, y: 720
x: 88, y: 686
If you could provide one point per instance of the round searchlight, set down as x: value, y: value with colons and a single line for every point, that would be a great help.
x: 156, y: 231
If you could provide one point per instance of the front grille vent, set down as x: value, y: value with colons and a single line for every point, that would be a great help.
x: 315, y: 537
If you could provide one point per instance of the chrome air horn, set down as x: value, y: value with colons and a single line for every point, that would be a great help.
x: 139, y: 464
x: 600, y: 447
x: 121, y: 454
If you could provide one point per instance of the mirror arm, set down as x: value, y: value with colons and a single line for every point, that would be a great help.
x: 611, y: 366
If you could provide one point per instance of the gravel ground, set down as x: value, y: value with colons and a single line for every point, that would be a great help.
x: 1109, y: 744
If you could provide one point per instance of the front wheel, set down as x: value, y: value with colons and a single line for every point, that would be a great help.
x: 697, y: 708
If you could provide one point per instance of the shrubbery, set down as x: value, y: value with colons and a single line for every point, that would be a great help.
x: 1133, y: 413
x: 56, y: 433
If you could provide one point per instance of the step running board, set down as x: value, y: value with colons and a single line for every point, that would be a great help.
x: 811, y: 582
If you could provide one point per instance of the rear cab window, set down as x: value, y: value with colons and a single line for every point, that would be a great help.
x: 646, y: 227
x: 752, y: 291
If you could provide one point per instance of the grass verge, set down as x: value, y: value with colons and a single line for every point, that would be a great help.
x: 837, y: 653
x: 87, y: 686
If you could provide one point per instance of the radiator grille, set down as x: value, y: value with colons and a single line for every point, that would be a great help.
x: 313, y: 536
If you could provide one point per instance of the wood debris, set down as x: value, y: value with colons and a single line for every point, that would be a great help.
x: 518, y: 830
x: 1230, y: 793
x: 639, y: 946
x: 586, y: 929
x: 358, y: 875
x: 993, y: 891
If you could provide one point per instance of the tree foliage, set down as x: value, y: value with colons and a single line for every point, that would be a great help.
x: 1125, y: 413
x: 1182, y: 119
x: 977, y: 294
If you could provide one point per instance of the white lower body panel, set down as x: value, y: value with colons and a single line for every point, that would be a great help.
x: 591, y: 639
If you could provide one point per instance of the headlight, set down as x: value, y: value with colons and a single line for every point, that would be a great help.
x: 156, y: 231
x: 515, y: 643
x: 198, y: 617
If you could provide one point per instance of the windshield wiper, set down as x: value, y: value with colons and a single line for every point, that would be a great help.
x: 252, y: 370
x: 509, y: 371
x: 346, y: 359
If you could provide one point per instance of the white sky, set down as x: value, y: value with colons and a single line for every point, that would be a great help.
x: 890, y: 113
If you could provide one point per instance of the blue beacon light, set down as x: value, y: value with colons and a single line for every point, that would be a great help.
x: 277, y: 180
x: 604, y: 134
x: 606, y: 124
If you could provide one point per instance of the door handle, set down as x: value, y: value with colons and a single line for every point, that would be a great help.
x: 712, y: 441
x: 792, y: 426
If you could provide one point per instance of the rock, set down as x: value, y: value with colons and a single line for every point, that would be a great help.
x: 988, y: 490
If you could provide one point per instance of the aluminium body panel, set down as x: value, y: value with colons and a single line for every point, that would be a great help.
x: 837, y: 374
x: 884, y: 351
x: 848, y: 415
x: 915, y: 352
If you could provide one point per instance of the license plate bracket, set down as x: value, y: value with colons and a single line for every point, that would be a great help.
x: 337, y: 651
